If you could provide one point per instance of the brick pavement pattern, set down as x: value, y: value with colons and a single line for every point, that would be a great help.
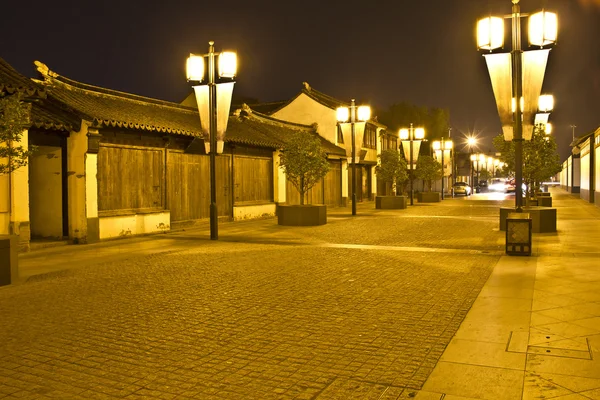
x: 267, y: 312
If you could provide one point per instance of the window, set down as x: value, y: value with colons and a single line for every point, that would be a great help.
x: 340, y: 136
x: 370, y: 137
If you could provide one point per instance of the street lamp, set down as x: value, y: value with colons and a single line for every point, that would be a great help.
x: 545, y: 106
x: 444, y: 147
x: 411, y: 143
x: 352, y: 116
x: 517, y: 76
x: 471, y: 142
x: 213, y: 108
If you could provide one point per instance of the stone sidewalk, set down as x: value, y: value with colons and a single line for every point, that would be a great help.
x: 534, y: 330
x: 386, y: 305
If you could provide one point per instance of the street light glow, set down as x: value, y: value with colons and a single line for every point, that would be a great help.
x: 514, y: 104
x: 543, y: 28
x: 195, y: 68
x: 419, y: 133
x: 403, y: 134
x: 490, y: 33
x: 546, y: 103
x: 227, y: 64
x: 342, y: 114
x: 364, y: 113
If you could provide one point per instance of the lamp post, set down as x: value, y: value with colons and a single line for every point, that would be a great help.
x: 525, y: 70
x: 351, y: 116
x: 213, y: 108
x: 442, y: 146
x: 411, y: 140
x: 473, y: 158
x: 471, y: 142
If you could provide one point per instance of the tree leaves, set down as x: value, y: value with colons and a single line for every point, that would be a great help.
x: 429, y: 170
x: 13, y: 119
x: 391, y: 168
x: 304, y: 161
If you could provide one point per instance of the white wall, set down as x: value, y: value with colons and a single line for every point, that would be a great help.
x: 585, y: 172
x: 304, y: 110
x: 136, y: 224
x: 576, y: 172
x: 596, y: 162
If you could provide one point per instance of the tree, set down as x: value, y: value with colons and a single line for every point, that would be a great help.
x: 304, y: 162
x: 540, y: 158
x: 429, y: 170
x: 391, y: 168
x: 13, y: 117
x: 484, y: 175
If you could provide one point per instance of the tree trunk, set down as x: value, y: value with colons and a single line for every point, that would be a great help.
x: 302, y: 191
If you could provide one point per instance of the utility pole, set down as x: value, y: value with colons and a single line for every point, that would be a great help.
x: 573, y: 127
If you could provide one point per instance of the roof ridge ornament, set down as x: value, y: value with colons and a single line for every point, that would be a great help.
x: 44, y: 70
x: 306, y: 86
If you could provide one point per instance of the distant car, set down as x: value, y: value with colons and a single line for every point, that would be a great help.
x: 461, y: 188
x: 501, y: 185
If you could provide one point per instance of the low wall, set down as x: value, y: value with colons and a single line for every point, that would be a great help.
x: 135, y: 224
x: 250, y: 211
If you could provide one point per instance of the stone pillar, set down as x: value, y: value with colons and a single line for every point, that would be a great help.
x: 373, y: 183
x: 279, y: 180
x: 19, y: 200
x: 344, y: 182
x: 82, y: 164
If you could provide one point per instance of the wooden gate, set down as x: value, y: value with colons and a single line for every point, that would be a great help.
x: 130, y: 178
x: 333, y: 185
x: 328, y: 191
x: 188, y: 186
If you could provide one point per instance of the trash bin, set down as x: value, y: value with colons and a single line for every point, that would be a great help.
x: 518, y: 234
x: 9, y: 271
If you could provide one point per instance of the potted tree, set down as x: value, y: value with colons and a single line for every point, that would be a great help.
x: 391, y: 169
x: 428, y: 170
x: 304, y: 163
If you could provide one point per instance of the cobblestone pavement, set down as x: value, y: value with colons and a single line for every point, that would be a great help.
x: 267, y: 312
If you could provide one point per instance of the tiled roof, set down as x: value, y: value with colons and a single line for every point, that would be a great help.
x: 12, y: 81
x: 267, y: 108
x: 110, y: 108
x: 276, y: 131
x: 323, y: 98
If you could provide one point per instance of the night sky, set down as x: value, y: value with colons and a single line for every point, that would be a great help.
x: 381, y: 52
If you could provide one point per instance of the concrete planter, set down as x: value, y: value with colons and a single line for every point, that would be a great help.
x: 429, y: 197
x: 545, y: 201
x: 9, y: 266
x: 306, y: 215
x: 543, y: 219
x: 390, y: 202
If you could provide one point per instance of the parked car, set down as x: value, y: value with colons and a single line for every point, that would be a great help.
x: 461, y: 188
x: 482, y: 187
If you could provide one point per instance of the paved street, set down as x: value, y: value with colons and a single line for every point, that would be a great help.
x: 360, y: 308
